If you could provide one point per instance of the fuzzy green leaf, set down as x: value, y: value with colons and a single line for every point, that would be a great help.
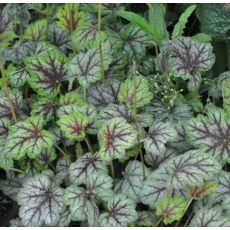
x: 226, y: 95
x: 171, y: 208
x: 115, y: 137
x: 135, y: 91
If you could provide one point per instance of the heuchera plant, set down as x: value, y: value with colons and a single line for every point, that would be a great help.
x: 112, y: 118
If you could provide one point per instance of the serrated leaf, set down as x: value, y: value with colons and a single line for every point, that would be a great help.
x: 146, y: 219
x: 46, y: 108
x: 6, y: 23
x: 69, y: 17
x: 40, y: 202
x: 46, y: 157
x: 4, y: 129
x: 198, y: 192
x: 190, y: 58
x: 74, y: 125
x: 65, y: 218
x: 211, y: 134
x: 59, y: 37
x: 131, y: 41
x: 115, y: 137
x: 159, y: 134
x: 48, y: 72
x: 28, y: 138
x: 121, y: 211
x: 36, y: 31
x: 214, y: 19
x: 87, y: 36
x: 131, y: 184
x: 180, y: 26
x: 207, y: 217
x: 86, y: 67
x: 102, y: 95
x: 62, y: 168
x: 85, y: 166
x: 226, y: 95
x: 171, y: 208
x: 11, y: 186
x: 135, y: 91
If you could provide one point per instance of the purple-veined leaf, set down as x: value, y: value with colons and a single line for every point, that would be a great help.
x: 46, y: 157
x: 62, y: 168
x: 65, y: 218
x: 102, y: 95
x: 69, y: 18
x: 36, y: 31
x: 171, y: 208
x: 211, y: 134
x: 121, y: 211
x: 135, y: 91
x: 28, y: 138
x: 6, y: 23
x: 85, y: 166
x: 71, y: 98
x: 40, y: 202
x: 86, y: 67
x: 115, y: 137
x: 159, y: 134
x: 74, y: 125
x: 131, y: 184
x: 189, y: 58
x: 48, y: 71
x: 226, y: 95
x: 59, y: 37
x: 4, y: 129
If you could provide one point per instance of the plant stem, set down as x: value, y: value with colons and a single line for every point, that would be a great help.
x: 47, y: 19
x: 189, y: 218
x: 100, y: 47
x: 159, y: 221
x: 62, y: 152
x: 7, y: 92
x: 112, y: 170
x: 142, y: 157
x: 88, y: 144
x: 228, y: 53
x: 78, y: 149
x: 17, y: 170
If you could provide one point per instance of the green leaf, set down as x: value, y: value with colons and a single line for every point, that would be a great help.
x: 121, y: 211
x: 86, y: 67
x: 87, y: 36
x: 202, y: 37
x: 211, y: 134
x: 207, y: 217
x: 171, y: 208
x: 135, y: 91
x: 157, y: 22
x: 189, y: 59
x: 131, y: 184
x: 180, y: 26
x: 71, y: 98
x: 40, y: 202
x: 85, y: 166
x: 36, y: 31
x: 159, y: 134
x: 135, y: 19
x: 74, y: 125
x: 48, y: 71
x: 46, y: 157
x: 28, y: 138
x: 226, y: 95
x: 115, y: 137
x: 69, y: 18
x: 214, y: 19
x: 4, y: 129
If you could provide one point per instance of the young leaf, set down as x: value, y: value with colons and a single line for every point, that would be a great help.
x: 36, y: 31
x: 73, y: 125
x: 180, y: 26
x: 131, y: 184
x: 85, y: 166
x: 69, y: 17
x: 102, y: 95
x: 48, y: 72
x: 121, y: 211
x: 211, y: 133
x: 171, y: 208
x: 28, y: 137
x: 189, y: 58
x: 207, y: 217
x: 40, y: 202
x: 71, y: 98
x: 135, y: 91
x: 115, y: 137
x: 159, y: 134
x: 86, y: 67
